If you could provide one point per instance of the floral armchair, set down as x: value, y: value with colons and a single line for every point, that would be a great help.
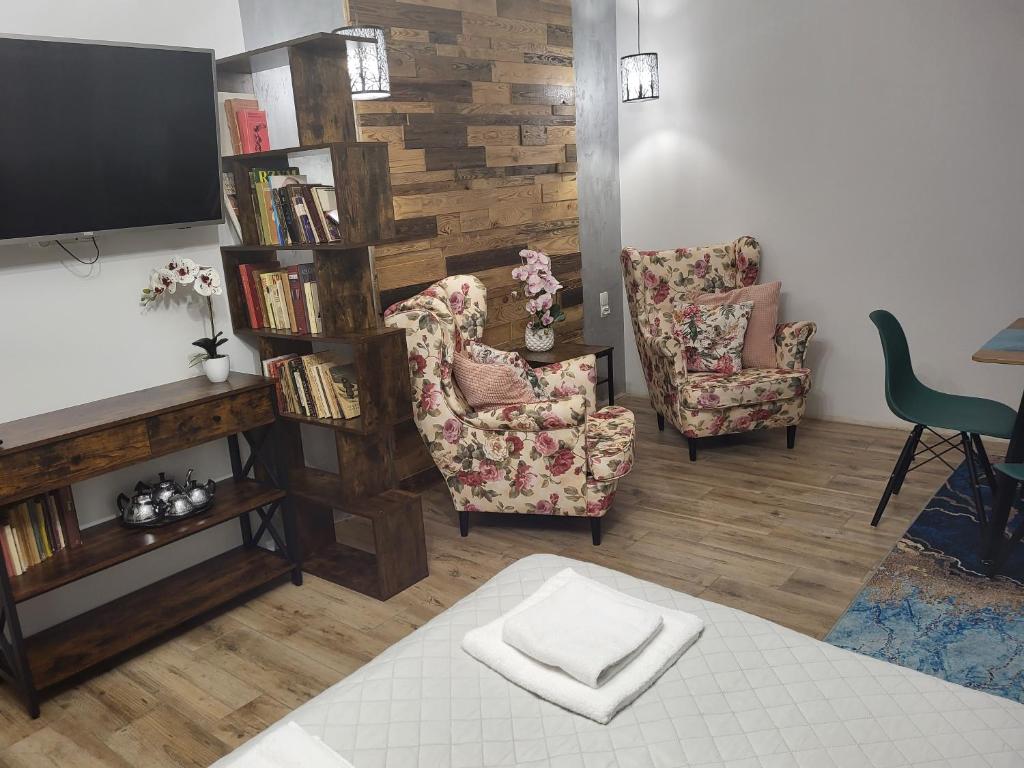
x: 557, y: 456
x: 701, y: 404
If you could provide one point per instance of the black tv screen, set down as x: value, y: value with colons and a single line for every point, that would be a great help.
x: 102, y: 136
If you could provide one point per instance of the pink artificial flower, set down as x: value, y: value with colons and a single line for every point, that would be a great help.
x: 546, y: 319
x: 542, y: 302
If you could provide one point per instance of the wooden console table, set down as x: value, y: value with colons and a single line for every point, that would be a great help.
x: 50, y: 451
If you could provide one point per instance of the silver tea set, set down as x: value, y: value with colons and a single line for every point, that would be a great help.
x: 165, y: 501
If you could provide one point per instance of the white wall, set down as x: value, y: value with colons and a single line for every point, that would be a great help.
x: 874, y: 147
x: 71, y: 334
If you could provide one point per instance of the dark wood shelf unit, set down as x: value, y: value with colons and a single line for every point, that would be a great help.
x: 366, y: 484
x: 76, y: 645
x: 274, y: 56
x: 52, y: 450
x: 111, y: 543
x: 357, y: 337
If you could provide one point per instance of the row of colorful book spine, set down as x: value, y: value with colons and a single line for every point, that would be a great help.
x: 34, y: 530
x: 281, y: 299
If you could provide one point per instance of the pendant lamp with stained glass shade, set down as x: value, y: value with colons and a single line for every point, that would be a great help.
x: 639, y: 71
x: 367, y: 62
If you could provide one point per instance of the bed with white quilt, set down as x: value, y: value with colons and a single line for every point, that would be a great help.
x: 747, y: 694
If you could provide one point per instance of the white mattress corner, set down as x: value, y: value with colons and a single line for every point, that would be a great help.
x: 748, y: 694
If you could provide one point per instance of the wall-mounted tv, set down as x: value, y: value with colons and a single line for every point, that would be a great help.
x: 99, y: 136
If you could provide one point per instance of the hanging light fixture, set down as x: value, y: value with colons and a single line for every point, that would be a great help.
x: 367, y: 62
x: 639, y: 72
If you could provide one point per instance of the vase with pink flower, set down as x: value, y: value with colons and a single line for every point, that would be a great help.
x: 540, y: 287
x: 205, y: 283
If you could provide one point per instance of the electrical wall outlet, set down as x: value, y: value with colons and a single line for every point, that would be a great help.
x: 605, y: 309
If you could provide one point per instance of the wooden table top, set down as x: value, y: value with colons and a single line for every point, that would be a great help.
x: 89, y: 417
x: 1005, y: 348
x: 563, y: 351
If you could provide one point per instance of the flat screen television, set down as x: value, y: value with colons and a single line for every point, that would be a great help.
x: 99, y: 136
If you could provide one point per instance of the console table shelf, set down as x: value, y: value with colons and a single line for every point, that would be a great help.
x: 110, y: 543
x: 93, y: 637
x: 52, y: 450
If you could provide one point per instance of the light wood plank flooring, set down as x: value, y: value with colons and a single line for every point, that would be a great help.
x: 782, y: 534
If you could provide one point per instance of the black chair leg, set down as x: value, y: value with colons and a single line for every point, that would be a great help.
x: 972, y: 469
x: 595, y: 530
x: 986, y: 465
x: 464, y: 523
x: 661, y: 423
x: 691, y: 443
x: 791, y: 436
x: 896, y: 472
x: 908, y: 459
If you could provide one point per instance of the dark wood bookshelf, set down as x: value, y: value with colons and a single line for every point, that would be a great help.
x: 55, y: 449
x: 366, y: 484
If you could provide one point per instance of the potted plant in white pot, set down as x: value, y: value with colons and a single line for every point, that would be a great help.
x: 206, y: 283
x: 540, y: 287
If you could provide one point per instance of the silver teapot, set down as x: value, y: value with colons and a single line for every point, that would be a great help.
x: 164, y: 489
x: 141, y: 508
x: 199, y: 495
x: 177, y: 505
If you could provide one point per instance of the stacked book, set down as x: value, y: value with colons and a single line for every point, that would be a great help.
x: 291, y: 211
x: 246, y: 124
x: 282, y: 299
x: 318, y: 385
x: 32, y: 531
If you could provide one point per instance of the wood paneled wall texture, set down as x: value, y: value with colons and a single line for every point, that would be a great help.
x: 481, y: 132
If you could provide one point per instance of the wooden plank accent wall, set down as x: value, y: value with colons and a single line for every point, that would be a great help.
x: 481, y: 133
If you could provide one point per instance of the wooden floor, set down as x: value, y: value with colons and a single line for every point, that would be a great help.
x: 782, y: 534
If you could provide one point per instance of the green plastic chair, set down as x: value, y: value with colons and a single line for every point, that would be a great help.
x: 929, y: 409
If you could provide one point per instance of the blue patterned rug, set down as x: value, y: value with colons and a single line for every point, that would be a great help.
x: 928, y: 606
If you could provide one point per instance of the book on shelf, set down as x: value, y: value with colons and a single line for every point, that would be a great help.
x: 232, y: 104
x: 319, y: 385
x: 34, y: 530
x: 231, y: 204
x: 252, y: 130
x: 281, y: 299
x: 291, y: 211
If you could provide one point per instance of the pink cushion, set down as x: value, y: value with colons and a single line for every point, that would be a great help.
x: 759, y: 341
x: 487, y: 384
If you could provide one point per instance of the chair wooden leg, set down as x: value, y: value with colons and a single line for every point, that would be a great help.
x: 691, y: 443
x: 661, y: 423
x: 972, y: 469
x: 986, y: 465
x: 464, y: 523
x: 595, y: 530
x: 908, y: 459
x: 790, y: 436
x: 896, y: 471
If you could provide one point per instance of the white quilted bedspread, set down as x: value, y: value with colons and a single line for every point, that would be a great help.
x: 748, y: 694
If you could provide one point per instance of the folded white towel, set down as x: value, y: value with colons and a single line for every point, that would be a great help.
x: 678, y: 632
x: 289, y: 746
x: 586, y: 629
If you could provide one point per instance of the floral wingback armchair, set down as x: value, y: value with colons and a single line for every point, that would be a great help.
x: 701, y: 404
x: 558, y: 456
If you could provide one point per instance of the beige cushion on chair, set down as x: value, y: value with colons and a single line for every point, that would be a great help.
x: 759, y: 342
